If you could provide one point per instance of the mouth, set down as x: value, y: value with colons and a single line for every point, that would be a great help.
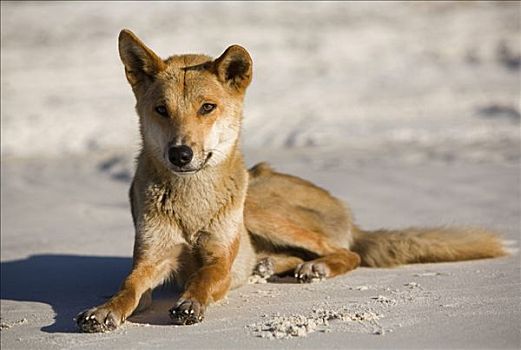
x: 190, y: 171
x: 185, y: 172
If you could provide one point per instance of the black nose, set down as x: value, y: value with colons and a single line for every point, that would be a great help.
x: 180, y: 155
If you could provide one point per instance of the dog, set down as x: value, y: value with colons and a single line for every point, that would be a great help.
x: 202, y: 219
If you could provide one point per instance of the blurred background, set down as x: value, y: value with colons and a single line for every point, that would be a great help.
x: 333, y: 81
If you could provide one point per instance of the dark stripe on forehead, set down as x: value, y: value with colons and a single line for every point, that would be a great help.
x: 198, y: 67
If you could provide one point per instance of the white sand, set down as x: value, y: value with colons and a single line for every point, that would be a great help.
x: 410, y: 113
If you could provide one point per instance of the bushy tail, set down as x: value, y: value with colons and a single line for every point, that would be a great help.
x: 386, y: 248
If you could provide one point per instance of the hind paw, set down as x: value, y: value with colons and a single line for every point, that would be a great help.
x: 311, y: 271
x: 265, y: 268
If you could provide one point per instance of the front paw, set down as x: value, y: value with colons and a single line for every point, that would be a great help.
x: 186, y: 312
x: 98, y: 320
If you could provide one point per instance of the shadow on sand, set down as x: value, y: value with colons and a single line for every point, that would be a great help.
x: 70, y: 284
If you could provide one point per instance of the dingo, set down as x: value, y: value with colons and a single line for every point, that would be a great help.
x: 203, y: 220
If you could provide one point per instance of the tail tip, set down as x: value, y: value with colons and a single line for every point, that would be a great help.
x: 510, y: 246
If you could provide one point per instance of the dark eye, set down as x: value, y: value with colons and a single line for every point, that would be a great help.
x: 207, y: 108
x: 161, y: 110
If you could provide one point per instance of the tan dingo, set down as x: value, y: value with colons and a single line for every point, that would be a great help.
x: 202, y: 219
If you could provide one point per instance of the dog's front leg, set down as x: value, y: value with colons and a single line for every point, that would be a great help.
x: 147, y: 273
x: 209, y: 283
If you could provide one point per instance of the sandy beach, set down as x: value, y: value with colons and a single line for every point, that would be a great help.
x: 410, y: 113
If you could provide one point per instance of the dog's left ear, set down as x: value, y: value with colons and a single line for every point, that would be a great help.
x: 234, y: 68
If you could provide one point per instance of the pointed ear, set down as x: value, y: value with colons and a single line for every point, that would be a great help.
x: 141, y: 63
x: 234, y: 68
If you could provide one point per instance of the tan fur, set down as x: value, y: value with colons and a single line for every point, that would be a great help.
x: 207, y: 223
x: 386, y: 248
x: 283, y: 213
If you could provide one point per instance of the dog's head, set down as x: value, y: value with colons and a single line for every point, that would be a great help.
x: 190, y: 106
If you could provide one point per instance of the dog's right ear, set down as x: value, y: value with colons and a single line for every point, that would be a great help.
x: 141, y: 63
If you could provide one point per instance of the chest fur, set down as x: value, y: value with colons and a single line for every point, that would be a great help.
x: 191, y: 206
